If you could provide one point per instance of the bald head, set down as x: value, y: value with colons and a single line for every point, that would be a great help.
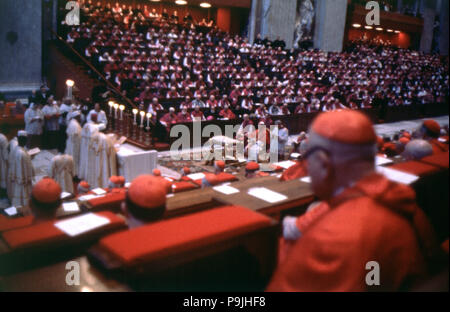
x: 417, y: 149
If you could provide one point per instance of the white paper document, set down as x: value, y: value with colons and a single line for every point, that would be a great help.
x: 82, y: 224
x: 127, y: 185
x: 379, y: 161
x: 196, y: 176
x: 266, y: 194
x: 71, y: 206
x: 306, y: 179
x: 397, y: 176
x: 65, y: 195
x: 226, y: 189
x: 99, y: 191
x: 89, y: 197
x: 11, y: 211
x: 295, y: 155
x: 285, y: 164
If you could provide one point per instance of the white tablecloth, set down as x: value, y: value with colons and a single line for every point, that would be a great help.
x: 132, y: 163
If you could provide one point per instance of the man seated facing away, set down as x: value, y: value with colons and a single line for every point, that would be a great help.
x: 145, y: 201
x: 45, y: 200
x: 98, y: 117
x: 430, y: 131
x: 417, y: 149
x: 370, y: 219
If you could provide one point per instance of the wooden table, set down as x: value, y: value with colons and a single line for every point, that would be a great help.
x: 299, y: 196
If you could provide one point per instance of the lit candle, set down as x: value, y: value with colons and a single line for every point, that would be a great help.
x: 69, y: 84
x: 116, y: 106
x: 148, y: 119
x: 121, y: 107
x: 135, y: 111
x: 111, y: 104
x: 142, y: 113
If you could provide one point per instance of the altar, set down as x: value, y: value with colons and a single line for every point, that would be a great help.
x: 133, y: 161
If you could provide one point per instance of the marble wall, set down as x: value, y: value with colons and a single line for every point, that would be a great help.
x: 20, y: 45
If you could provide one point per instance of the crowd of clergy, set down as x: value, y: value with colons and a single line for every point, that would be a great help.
x: 153, y: 57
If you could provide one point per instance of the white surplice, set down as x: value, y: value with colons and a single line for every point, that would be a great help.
x: 62, y: 171
x: 4, y: 155
x: 86, y: 134
x: 11, y: 166
x: 23, y: 178
x: 73, y: 144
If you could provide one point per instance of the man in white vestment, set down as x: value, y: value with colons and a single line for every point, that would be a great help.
x: 87, y: 132
x: 280, y: 135
x: 11, y: 163
x: 62, y: 171
x: 109, y: 158
x: 3, y: 163
x: 98, y: 117
x: 102, y: 160
x: 23, y: 173
x: 73, y: 144
x: 34, y: 124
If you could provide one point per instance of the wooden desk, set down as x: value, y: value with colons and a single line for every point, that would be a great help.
x: 189, y: 202
x: 53, y: 278
x: 299, y: 196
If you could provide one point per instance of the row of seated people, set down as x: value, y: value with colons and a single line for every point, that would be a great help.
x: 145, y: 198
x: 365, y: 73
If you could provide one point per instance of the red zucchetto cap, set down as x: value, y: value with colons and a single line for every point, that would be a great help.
x: 147, y: 191
x: 432, y: 126
x: 156, y: 172
x: 406, y: 134
x: 211, y: 178
x: 404, y: 140
x: 252, y: 166
x: 84, y: 185
x: 345, y: 126
x: 117, y: 180
x: 46, y: 191
x: 220, y: 164
x: 186, y: 170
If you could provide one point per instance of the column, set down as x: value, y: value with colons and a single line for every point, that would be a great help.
x: 20, y: 45
x: 330, y: 25
x: 426, y: 39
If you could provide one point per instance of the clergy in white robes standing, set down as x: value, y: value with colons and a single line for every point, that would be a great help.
x: 23, y: 173
x: 280, y: 135
x: 34, y: 124
x: 3, y: 163
x: 100, y: 117
x: 62, y: 171
x: 73, y: 144
x: 109, y: 158
x: 11, y: 167
x: 87, y: 132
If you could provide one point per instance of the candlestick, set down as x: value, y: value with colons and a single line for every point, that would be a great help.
x: 142, y: 113
x: 111, y: 104
x: 121, y: 107
x: 149, y: 115
x: 116, y: 106
x: 135, y: 111
x: 69, y: 84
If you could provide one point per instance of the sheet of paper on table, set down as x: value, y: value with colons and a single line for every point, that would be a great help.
x: 196, y: 176
x: 285, y: 164
x: 127, y: 185
x: 379, y: 161
x: 89, y: 197
x: 295, y: 155
x: 65, y: 195
x: 11, y: 211
x: 306, y: 179
x: 266, y: 194
x: 98, y: 191
x: 70, y: 207
x: 396, y: 175
x: 226, y: 189
x: 82, y: 224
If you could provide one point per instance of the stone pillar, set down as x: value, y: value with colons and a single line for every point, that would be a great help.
x: 443, y: 19
x: 330, y: 25
x: 426, y: 39
x: 20, y: 45
x: 278, y: 19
